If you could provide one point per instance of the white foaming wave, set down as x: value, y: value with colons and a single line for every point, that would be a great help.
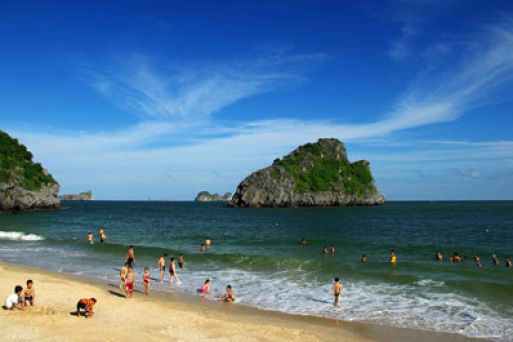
x: 19, y: 236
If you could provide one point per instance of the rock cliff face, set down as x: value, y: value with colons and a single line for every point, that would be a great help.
x: 313, y: 175
x: 205, y: 196
x: 83, y: 196
x: 24, y: 185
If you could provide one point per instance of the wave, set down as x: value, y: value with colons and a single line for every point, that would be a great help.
x: 19, y: 236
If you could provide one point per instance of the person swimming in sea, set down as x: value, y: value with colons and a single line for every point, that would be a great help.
x: 363, y: 258
x: 477, y: 260
x: 455, y: 258
x: 332, y: 250
x: 303, y: 242
x: 325, y: 250
x: 439, y: 256
x: 507, y: 262
x: 130, y: 256
x: 208, y: 242
x: 181, y: 260
x: 102, y: 235
x: 90, y: 238
x: 162, y: 266
x: 495, y: 260
x: 393, y: 257
x: 203, y: 248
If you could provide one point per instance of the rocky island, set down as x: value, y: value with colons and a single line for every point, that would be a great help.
x: 83, y: 196
x: 205, y: 196
x: 314, y: 175
x: 24, y: 184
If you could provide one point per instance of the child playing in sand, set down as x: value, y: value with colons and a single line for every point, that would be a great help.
x: 337, y: 289
x: 90, y: 237
x: 129, y: 283
x: 30, y: 294
x: 228, y: 296
x: 206, y: 286
x: 146, y: 280
x: 14, y: 301
x: 87, y: 305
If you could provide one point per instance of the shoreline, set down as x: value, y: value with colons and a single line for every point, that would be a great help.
x: 194, y: 317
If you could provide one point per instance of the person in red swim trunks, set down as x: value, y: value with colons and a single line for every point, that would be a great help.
x: 146, y: 280
x: 129, y: 283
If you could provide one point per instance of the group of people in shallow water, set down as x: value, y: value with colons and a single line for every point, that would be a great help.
x: 456, y: 258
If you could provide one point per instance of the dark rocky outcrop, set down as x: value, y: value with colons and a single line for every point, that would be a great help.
x: 205, y: 196
x: 313, y: 175
x: 83, y: 196
x: 24, y: 185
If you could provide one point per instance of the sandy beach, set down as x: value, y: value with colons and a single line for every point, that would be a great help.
x: 170, y: 317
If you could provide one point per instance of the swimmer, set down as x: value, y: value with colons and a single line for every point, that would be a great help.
x: 393, y: 257
x: 90, y: 238
x: 130, y: 256
x: 455, y: 258
x: 122, y: 275
x: 332, y: 250
x: 87, y: 305
x: 102, y: 235
x: 146, y: 280
x: 477, y: 260
x: 495, y: 260
x: 203, y: 248
x: 325, y: 250
x: 439, y: 256
x: 30, y: 294
x: 206, y: 286
x: 507, y: 262
x: 228, y: 296
x: 208, y: 242
x: 162, y: 266
x: 181, y: 260
x: 129, y: 283
x: 172, y: 273
x: 303, y: 242
x: 363, y: 258
x: 337, y: 289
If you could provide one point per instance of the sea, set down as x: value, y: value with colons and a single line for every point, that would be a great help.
x: 258, y: 252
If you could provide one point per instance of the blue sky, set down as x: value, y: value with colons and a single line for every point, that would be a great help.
x: 161, y: 100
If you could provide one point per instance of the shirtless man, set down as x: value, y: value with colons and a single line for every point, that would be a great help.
x: 172, y: 273
x: 477, y: 260
x: 162, y: 266
x: 439, y: 256
x: 203, y: 248
x: 332, y: 250
x: 325, y: 250
x: 122, y: 275
x: 130, y: 256
x: 363, y: 258
x: 90, y: 238
x: 208, y: 242
x: 30, y: 294
x: 455, y: 258
x: 507, y: 262
x: 101, y: 233
x: 337, y: 289
x: 181, y: 260
x: 129, y: 284
x: 495, y: 260
x: 228, y: 296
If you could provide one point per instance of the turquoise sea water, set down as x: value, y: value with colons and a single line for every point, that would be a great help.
x: 258, y: 252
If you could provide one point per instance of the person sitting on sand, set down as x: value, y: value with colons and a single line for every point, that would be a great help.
x: 172, y: 273
x: 162, y: 266
x: 14, y: 301
x: 228, y: 296
x: 102, y: 235
x: 205, y: 287
x: 208, y: 242
x: 495, y: 260
x: 130, y: 256
x: 393, y: 257
x: 203, y: 248
x: 129, y: 283
x: 146, y: 280
x: 337, y: 289
x: 455, y: 258
x: 363, y: 258
x: 507, y: 262
x: 303, y: 242
x: 332, y: 250
x: 439, y: 256
x: 90, y: 238
x: 122, y: 275
x: 87, y: 305
x: 181, y: 260
x: 30, y: 294
x: 477, y: 260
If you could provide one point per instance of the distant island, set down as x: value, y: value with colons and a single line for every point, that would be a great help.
x: 83, y: 196
x: 205, y: 196
x: 314, y: 175
x: 24, y: 184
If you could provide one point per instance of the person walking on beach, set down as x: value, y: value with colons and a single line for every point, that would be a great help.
x: 393, y: 257
x: 129, y: 284
x: 337, y: 290
x: 130, y: 256
x: 172, y: 273
x: 146, y: 281
x: 122, y: 275
x: 181, y: 260
x: 87, y: 305
x: 90, y: 238
x: 102, y: 235
x: 228, y: 296
x: 162, y: 266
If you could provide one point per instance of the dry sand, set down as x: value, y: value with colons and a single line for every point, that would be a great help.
x: 169, y: 317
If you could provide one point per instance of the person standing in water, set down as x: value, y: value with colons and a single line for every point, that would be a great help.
x: 90, y: 238
x: 495, y: 260
x: 162, y: 266
x: 303, y: 242
x: 172, y: 273
x: 332, y: 250
x: 439, y: 256
x: 130, y: 256
x: 507, y: 262
x: 204, y: 289
x: 203, y: 248
x: 325, y: 250
x: 146, y: 281
x: 455, y: 258
x: 393, y: 257
x: 102, y: 235
x: 477, y: 260
x: 129, y: 284
x: 363, y: 258
x: 208, y: 242
x: 337, y: 290
x: 181, y: 260
x: 122, y: 275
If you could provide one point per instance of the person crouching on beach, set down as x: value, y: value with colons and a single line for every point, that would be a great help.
x: 14, y: 301
x: 30, y: 294
x: 87, y: 305
x: 122, y: 275
x: 129, y: 283
x: 337, y: 290
x: 146, y: 280
x: 228, y: 296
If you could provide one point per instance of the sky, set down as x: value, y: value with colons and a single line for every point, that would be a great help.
x: 159, y: 100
